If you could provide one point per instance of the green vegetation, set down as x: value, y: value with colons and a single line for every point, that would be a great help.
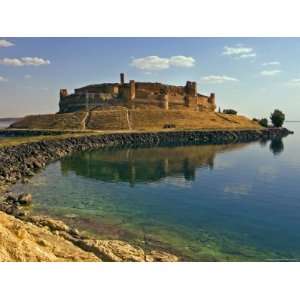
x: 277, y: 118
x: 263, y: 122
x: 229, y: 111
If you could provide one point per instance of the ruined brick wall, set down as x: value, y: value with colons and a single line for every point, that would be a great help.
x: 73, y: 103
x: 112, y: 88
x: 137, y: 94
x: 124, y: 91
x: 159, y: 88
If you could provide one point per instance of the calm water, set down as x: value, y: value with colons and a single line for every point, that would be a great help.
x: 229, y: 202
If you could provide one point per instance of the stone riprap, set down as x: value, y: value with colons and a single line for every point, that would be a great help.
x: 8, y: 133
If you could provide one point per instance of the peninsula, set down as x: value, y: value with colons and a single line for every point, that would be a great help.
x: 134, y: 114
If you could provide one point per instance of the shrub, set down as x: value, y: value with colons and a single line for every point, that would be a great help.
x: 169, y: 126
x: 229, y: 111
x: 263, y: 122
x: 277, y: 118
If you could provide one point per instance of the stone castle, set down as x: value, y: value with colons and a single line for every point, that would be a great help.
x: 135, y: 95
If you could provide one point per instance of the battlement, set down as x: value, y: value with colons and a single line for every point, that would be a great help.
x: 134, y: 94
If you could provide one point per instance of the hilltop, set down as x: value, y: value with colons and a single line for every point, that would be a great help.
x: 135, y: 119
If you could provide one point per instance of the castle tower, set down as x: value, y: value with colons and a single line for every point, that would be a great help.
x: 191, y: 88
x: 131, y: 89
x: 122, y: 80
x: 63, y: 93
x: 212, y: 98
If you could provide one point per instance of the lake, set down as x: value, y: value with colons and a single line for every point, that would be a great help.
x: 204, y: 203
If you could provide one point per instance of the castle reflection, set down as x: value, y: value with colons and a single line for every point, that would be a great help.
x: 144, y: 164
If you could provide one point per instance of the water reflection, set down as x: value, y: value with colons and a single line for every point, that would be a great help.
x: 144, y: 165
x: 277, y: 146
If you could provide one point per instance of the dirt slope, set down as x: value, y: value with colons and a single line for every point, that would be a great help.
x: 52, y: 121
x: 136, y: 119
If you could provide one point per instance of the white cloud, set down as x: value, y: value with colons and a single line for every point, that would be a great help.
x: 271, y: 63
x: 5, y: 44
x: 156, y: 63
x: 270, y: 72
x: 218, y: 79
x: 3, y: 79
x: 294, y: 82
x: 24, y: 61
x: 239, y: 52
x: 248, y: 55
x: 236, y: 50
x: 182, y: 61
x: 150, y: 63
x: 27, y: 76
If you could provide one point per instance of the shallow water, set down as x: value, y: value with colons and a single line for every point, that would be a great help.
x: 227, y: 202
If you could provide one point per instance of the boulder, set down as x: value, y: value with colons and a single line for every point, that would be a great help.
x: 114, y: 250
x: 11, y: 198
x: 25, y: 199
x: 52, y: 224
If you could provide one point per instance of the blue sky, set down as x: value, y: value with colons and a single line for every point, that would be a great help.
x: 251, y: 75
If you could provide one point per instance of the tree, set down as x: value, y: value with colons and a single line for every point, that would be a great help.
x: 229, y: 111
x: 263, y: 122
x: 277, y: 118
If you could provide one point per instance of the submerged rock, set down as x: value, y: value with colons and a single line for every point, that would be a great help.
x: 161, y: 256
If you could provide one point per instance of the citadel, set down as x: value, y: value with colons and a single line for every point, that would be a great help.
x: 136, y: 95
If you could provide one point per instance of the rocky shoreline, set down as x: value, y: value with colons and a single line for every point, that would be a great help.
x: 6, y: 133
x: 23, y: 161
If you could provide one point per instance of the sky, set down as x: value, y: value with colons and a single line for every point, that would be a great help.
x: 251, y: 75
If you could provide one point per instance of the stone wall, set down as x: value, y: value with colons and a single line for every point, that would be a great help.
x: 136, y: 94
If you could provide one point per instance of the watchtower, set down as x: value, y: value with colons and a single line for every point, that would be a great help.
x: 131, y: 89
x: 63, y: 93
x: 212, y: 98
x: 122, y: 78
x: 191, y: 88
